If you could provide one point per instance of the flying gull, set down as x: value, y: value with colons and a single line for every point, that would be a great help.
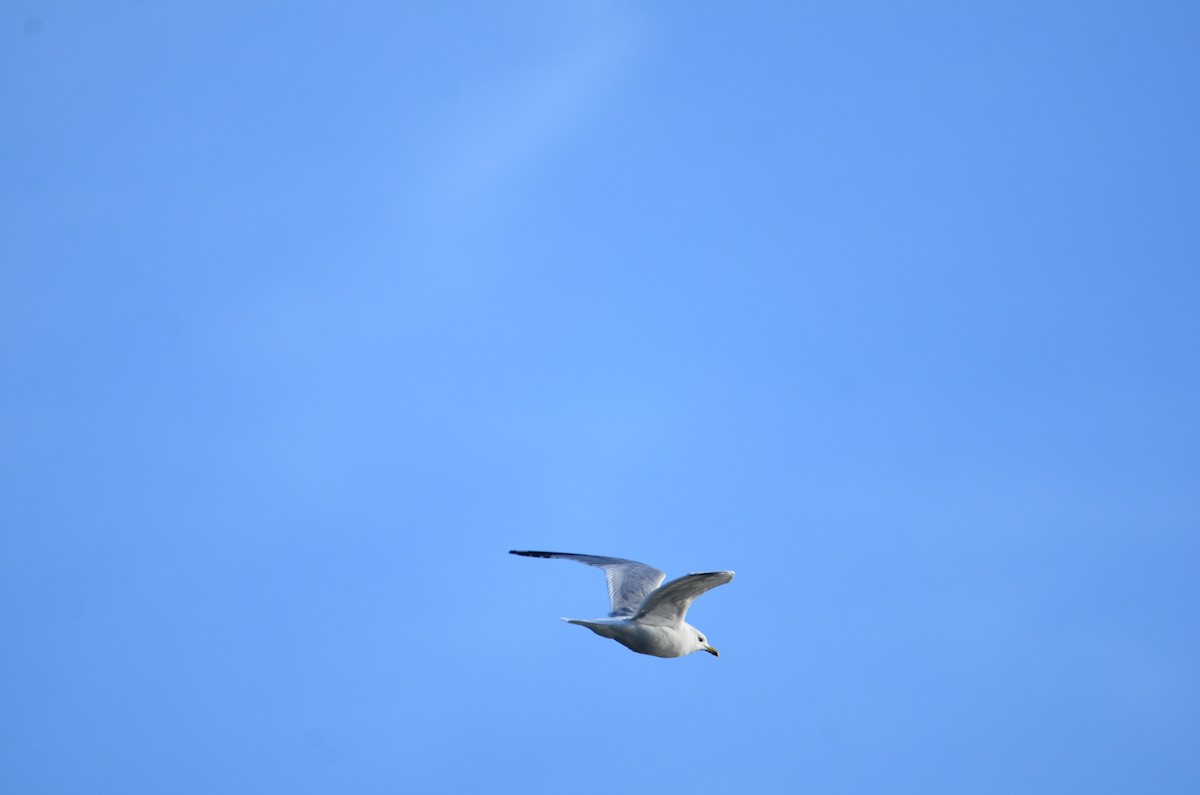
x: 644, y: 617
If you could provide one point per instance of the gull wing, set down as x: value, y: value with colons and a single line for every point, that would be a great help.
x: 628, y: 581
x: 669, y: 604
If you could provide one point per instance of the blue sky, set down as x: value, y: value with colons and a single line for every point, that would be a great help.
x: 310, y: 312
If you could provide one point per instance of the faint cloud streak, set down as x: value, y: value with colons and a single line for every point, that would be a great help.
x: 508, y: 129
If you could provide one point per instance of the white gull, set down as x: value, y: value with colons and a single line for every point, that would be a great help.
x: 644, y: 617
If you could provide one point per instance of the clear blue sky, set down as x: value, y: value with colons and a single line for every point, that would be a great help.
x: 310, y: 312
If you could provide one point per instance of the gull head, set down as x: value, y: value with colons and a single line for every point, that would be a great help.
x: 701, y: 641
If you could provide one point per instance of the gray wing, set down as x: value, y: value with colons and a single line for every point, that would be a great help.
x: 669, y: 604
x: 628, y: 581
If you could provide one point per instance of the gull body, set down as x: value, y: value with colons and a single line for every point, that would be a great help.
x: 645, y: 618
x: 648, y: 639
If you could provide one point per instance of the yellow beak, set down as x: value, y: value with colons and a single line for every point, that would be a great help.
x: 712, y: 651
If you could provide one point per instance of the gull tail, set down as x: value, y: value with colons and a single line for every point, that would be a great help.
x: 602, y: 628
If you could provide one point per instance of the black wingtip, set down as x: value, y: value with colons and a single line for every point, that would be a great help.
x: 531, y: 553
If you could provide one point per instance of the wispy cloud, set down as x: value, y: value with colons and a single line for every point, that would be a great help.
x: 511, y: 125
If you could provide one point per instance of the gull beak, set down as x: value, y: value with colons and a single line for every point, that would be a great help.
x: 712, y: 651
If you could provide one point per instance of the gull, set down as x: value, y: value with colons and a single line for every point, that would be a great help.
x: 644, y: 617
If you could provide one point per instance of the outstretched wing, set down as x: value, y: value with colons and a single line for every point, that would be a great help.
x: 628, y: 581
x: 669, y: 604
